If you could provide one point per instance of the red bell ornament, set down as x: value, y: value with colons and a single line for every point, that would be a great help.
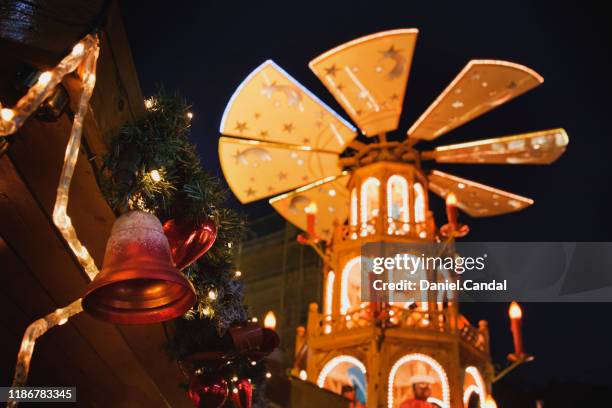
x: 138, y: 283
x: 242, y: 394
x: 189, y: 240
x: 208, y: 390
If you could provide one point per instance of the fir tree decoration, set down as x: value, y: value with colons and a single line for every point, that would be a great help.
x: 166, y: 178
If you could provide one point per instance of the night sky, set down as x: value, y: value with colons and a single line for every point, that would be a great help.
x: 204, y: 50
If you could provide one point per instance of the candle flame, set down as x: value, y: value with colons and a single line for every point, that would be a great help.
x: 270, y: 321
x: 451, y: 199
x: 515, y: 311
x: 311, y: 208
x: 490, y: 402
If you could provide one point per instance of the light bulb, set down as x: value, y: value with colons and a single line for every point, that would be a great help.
x: 155, y: 176
x: 7, y: 114
x: 44, y: 78
x: 78, y: 49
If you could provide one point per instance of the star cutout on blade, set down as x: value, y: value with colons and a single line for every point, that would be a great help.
x: 340, y: 87
x: 331, y: 70
x: 305, y: 178
x: 306, y: 140
x: 394, y: 97
x: 257, y: 115
x: 241, y: 126
x: 391, y: 52
x: 270, y: 189
x: 250, y: 192
x: 282, y: 176
x: 263, y: 133
x: 288, y: 127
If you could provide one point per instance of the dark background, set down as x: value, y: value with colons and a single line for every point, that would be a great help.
x: 204, y: 50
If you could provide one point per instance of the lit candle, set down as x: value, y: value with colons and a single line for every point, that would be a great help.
x: 451, y: 209
x: 270, y: 321
x: 516, y: 315
x: 490, y: 402
x: 311, y: 211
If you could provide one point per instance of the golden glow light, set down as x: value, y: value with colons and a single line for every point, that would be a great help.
x: 329, y: 292
x: 334, y: 362
x: 515, y: 311
x: 303, y: 375
x: 270, y: 320
x: 311, y: 208
x: 428, y: 361
x: 490, y: 403
x: 7, y: 114
x: 78, y: 50
x: 155, y: 176
x: 45, y: 78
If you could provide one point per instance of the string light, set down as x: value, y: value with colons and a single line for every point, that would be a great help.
x: 212, y: 295
x: 148, y: 103
x: 155, y: 176
x: 7, y: 114
x: 189, y: 115
x: 303, y: 375
x: 45, y: 78
x: 234, y: 378
x: 254, y: 320
x: 84, y: 55
x: 426, y: 360
x: 237, y: 274
x: 78, y: 50
x: 81, y: 56
x: 253, y: 363
x: 268, y: 375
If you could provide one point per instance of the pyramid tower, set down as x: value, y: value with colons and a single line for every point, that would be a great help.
x: 348, y: 186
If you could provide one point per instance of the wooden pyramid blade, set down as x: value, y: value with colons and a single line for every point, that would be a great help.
x: 271, y: 106
x: 332, y: 203
x: 481, y: 86
x: 256, y: 170
x: 478, y: 200
x: 368, y: 77
x: 543, y: 147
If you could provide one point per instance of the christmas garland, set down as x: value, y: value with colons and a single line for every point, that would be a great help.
x: 153, y: 167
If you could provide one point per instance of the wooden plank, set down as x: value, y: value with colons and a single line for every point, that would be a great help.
x: 37, y: 244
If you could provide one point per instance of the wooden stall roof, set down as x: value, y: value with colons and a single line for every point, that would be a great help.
x: 118, y: 366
